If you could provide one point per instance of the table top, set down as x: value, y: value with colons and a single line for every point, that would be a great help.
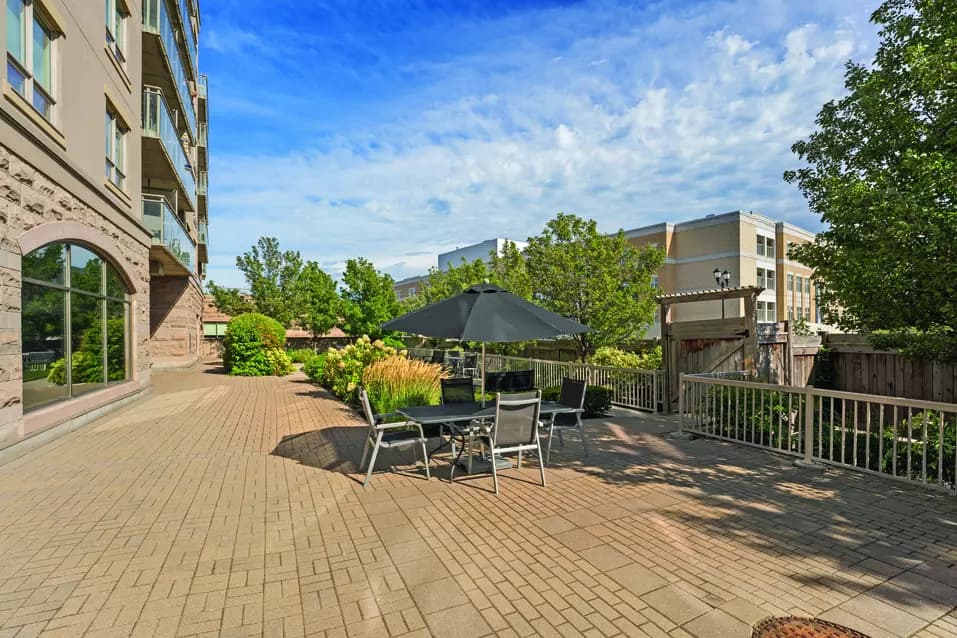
x: 426, y: 414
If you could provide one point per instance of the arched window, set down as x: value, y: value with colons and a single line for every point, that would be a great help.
x: 75, y: 324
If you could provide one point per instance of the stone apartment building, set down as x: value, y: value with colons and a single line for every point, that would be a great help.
x: 103, y: 211
x: 751, y: 247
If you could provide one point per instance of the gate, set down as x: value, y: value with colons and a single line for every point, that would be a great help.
x: 709, y: 346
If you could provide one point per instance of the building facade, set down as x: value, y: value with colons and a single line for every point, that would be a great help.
x: 751, y: 247
x: 410, y: 286
x: 103, y: 213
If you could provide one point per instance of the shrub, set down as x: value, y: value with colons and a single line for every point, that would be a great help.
x: 315, y: 366
x: 342, y: 371
x: 301, y: 355
x: 88, y: 357
x: 597, y: 399
x: 396, y: 381
x: 253, y: 347
x: 394, y: 342
x: 616, y: 358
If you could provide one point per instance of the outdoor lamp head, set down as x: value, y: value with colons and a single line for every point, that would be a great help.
x: 726, y: 276
x: 717, y: 275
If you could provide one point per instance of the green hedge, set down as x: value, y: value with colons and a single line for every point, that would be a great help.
x: 597, y: 399
x: 253, y: 347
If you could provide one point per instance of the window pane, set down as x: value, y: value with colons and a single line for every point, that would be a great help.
x: 16, y: 42
x: 86, y: 270
x: 116, y: 341
x: 108, y: 138
x: 86, y: 324
x: 15, y: 78
x: 114, y: 283
x: 42, y: 103
x: 42, y: 321
x: 41, y: 56
x: 46, y: 264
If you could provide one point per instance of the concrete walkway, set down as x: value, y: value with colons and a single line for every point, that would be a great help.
x: 227, y: 506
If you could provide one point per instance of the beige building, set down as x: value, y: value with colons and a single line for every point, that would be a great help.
x: 410, y: 286
x: 103, y: 211
x: 752, y: 248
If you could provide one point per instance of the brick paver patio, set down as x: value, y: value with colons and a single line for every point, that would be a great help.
x: 227, y: 506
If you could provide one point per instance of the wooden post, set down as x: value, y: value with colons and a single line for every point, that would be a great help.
x: 751, y: 326
x: 789, y: 362
x: 666, y: 357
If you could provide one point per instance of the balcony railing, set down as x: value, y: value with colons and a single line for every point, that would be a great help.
x: 201, y: 87
x: 189, y: 36
x: 204, y: 233
x: 202, y: 138
x: 168, y: 230
x: 201, y: 184
x: 157, y: 122
x: 156, y: 20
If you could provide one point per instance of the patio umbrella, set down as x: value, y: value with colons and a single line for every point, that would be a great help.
x: 485, y: 313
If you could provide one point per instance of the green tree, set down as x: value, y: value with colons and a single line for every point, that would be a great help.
x: 442, y: 284
x: 368, y: 299
x: 881, y: 172
x: 317, y: 301
x: 600, y: 280
x: 509, y: 270
x: 272, y: 277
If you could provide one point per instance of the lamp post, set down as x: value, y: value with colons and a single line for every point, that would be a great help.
x: 723, y: 280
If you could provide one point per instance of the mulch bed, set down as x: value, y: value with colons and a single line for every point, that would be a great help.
x: 794, y: 627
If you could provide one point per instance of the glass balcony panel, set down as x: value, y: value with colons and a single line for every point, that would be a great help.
x: 157, y: 122
x: 201, y: 185
x: 168, y: 230
x: 189, y: 36
x: 202, y: 86
x: 203, y: 134
x: 156, y: 20
x: 203, y: 233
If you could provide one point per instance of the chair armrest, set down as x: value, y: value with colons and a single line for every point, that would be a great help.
x: 400, y: 424
x: 386, y: 415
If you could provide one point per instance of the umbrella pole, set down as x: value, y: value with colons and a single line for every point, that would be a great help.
x: 483, y: 374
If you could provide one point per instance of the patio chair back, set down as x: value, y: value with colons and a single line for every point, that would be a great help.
x: 522, y: 381
x: 471, y: 362
x: 458, y: 390
x: 455, y: 353
x: 367, y: 407
x: 516, y: 419
x: 438, y: 356
x: 573, y: 396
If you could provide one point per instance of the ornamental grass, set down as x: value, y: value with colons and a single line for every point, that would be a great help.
x: 397, y: 382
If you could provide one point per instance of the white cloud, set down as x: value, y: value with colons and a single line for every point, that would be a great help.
x: 690, y: 112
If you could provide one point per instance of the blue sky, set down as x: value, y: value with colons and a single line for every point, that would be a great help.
x: 397, y: 129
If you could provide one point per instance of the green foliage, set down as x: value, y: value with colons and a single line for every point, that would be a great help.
x: 600, y: 280
x: 253, y: 347
x: 597, y: 399
x: 825, y: 372
x: 342, y: 369
x: 368, y: 299
x: 301, y: 355
x: 880, y: 171
x: 315, y: 366
x: 397, y: 381
x: 316, y: 303
x: 910, y: 435
x: 613, y: 357
x: 394, y: 342
x: 87, y: 358
x: 230, y: 300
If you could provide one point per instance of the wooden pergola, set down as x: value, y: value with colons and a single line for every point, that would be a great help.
x: 745, y: 327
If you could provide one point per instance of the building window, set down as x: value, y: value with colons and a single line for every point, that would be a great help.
x: 411, y: 292
x: 798, y: 285
x: 765, y: 246
x: 75, y: 324
x: 654, y: 281
x: 31, y: 44
x: 790, y: 279
x: 116, y: 15
x: 767, y: 312
x: 807, y: 286
x: 766, y: 278
x: 116, y: 134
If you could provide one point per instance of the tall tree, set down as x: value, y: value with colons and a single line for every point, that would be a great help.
x: 271, y: 275
x: 509, y: 270
x: 600, y: 280
x: 368, y: 299
x: 317, y: 301
x: 881, y: 172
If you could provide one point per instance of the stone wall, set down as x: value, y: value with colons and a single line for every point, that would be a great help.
x: 34, y: 208
x: 176, y: 309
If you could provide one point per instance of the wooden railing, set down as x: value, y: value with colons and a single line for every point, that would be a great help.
x: 630, y: 387
x: 904, y: 439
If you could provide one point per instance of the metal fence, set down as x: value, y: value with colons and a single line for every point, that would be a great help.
x: 904, y: 439
x: 630, y: 387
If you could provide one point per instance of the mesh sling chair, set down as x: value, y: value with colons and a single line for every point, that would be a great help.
x: 572, y: 396
x: 379, y: 436
x: 515, y: 429
x: 438, y: 356
x: 455, y: 390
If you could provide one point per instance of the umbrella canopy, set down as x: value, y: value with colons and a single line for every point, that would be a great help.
x: 485, y: 313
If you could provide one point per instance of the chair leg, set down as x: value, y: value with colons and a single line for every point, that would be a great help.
x: 365, y: 453
x: 375, y: 453
x: 561, y: 440
x: 428, y: 477
x: 581, y: 431
x: 519, y: 459
x: 455, y: 462
x: 541, y: 463
x: 548, y: 451
x: 494, y: 472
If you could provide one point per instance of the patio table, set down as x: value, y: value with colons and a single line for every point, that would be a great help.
x: 461, y: 418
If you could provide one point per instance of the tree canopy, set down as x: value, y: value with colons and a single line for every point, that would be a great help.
x: 317, y: 301
x: 600, y: 280
x: 880, y: 171
x: 368, y: 298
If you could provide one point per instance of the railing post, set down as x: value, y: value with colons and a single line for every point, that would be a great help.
x: 681, y: 403
x: 654, y: 392
x: 808, y: 460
